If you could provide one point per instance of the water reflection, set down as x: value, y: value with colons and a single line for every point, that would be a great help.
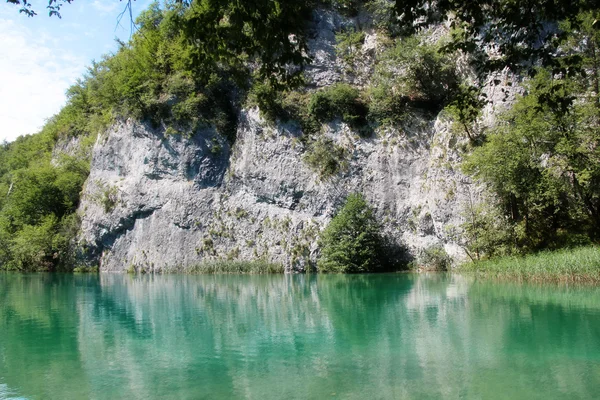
x: 303, y: 336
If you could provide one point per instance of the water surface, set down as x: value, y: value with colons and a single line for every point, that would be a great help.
x: 295, y: 337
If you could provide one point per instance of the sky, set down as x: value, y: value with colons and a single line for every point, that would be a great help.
x: 40, y: 57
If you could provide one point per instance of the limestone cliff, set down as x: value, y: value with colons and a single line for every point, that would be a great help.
x: 158, y: 202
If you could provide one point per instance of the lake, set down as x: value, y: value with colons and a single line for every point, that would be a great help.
x: 392, y: 336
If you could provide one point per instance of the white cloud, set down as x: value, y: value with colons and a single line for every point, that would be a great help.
x: 34, y: 74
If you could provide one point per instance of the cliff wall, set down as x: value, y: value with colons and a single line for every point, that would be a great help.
x: 158, y: 202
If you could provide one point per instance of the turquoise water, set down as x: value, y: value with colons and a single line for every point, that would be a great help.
x: 295, y: 337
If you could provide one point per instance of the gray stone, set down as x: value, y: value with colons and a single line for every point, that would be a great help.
x: 157, y: 202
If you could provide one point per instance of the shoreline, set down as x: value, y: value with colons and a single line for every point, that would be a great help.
x: 578, y: 265
x: 567, y: 266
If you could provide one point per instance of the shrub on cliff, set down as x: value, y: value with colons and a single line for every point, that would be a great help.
x: 412, y: 74
x: 352, y: 241
x: 340, y: 100
x: 325, y: 157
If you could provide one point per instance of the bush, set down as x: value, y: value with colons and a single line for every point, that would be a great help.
x: 412, y: 74
x: 384, y: 17
x: 387, y: 107
x: 434, y: 258
x: 295, y: 106
x: 488, y: 233
x: 340, y: 100
x: 348, y: 8
x: 542, y: 166
x: 268, y: 99
x: 39, y: 199
x: 352, y: 241
x: 466, y: 107
x: 325, y: 157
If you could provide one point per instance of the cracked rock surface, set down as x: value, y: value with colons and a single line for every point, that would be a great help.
x: 155, y: 202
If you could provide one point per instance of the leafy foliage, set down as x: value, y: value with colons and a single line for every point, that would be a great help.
x: 39, y: 199
x: 349, y: 8
x: 185, y: 68
x: 53, y: 7
x: 190, y: 65
x: 515, y: 29
x: 542, y: 161
x: 411, y: 74
x: 466, y: 107
x: 270, y: 33
x: 543, y: 165
x: 487, y: 232
x: 340, y: 100
x: 352, y: 241
x: 348, y: 42
x: 434, y: 258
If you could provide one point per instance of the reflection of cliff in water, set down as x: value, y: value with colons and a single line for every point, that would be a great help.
x: 301, y: 336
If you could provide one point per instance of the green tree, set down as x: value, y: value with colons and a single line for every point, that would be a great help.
x: 543, y: 164
x: 38, y: 199
x: 352, y: 241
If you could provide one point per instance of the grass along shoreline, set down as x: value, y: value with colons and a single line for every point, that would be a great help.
x: 223, y: 267
x: 579, y: 265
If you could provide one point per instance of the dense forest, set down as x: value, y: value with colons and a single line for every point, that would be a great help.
x: 195, y: 64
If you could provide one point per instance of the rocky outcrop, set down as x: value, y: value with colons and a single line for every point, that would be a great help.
x: 155, y: 202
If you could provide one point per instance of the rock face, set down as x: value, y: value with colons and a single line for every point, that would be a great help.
x: 154, y: 202
x: 157, y: 202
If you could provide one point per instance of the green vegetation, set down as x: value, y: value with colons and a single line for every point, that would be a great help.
x: 542, y: 161
x: 193, y: 64
x: 434, y: 258
x: 186, y: 68
x: 339, y: 101
x: 515, y: 28
x: 569, y: 265
x: 325, y: 157
x: 465, y: 107
x: 38, y: 198
x: 269, y: 100
x: 488, y: 233
x: 348, y: 44
x: 543, y: 164
x: 352, y: 241
x: 234, y: 267
x: 311, y: 109
x: 412, y: 74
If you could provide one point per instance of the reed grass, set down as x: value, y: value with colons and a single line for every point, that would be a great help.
x: 233, y: 267
x: 581, y: 265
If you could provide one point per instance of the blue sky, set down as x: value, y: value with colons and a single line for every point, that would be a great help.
x: 41, y: 57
